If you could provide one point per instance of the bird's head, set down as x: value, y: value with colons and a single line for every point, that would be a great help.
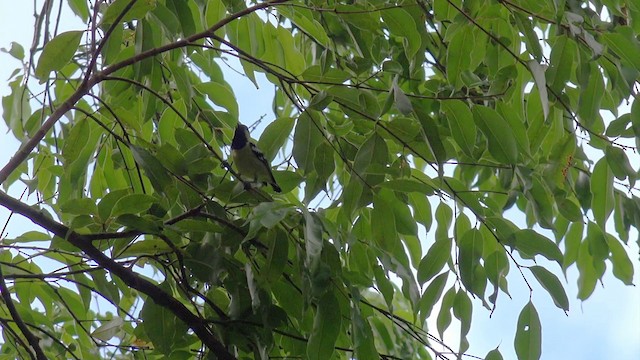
x: 240, y: 137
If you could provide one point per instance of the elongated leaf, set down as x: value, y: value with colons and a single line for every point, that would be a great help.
x: 528, y: 341
x: 220, y: 95
x: 493, y: 355
x: 530, y: 37
x: 132, y: 204
x: 622, y: 266
x: 401, y: 23
x: 529, y: 243
x: 553, y: 286
x: 274, y: 136
x: 469, y: 260
x: 401, y: 100
x: 313, y: 242
x: 108, y: 329
x: 563, y: 55
x: 588, y: 273
x: 432, y: 295
x: 541, y: 83
x: 433, y: 262
x: 591, y: 96
x: 459, y: 55
x: 326, y: 327
x: 619, y: 44
x: 162, y: 327
x: 602, y: 190
x: 383, y: 225
x: 461, y: 124
x: 502, y: 145
x: 444, y: 316
x: 57, y: 53
x: 305, y: 140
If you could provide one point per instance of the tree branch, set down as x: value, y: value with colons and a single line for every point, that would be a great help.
x: 32, y: 339
x: 23, y: 153
x: 130, y: 278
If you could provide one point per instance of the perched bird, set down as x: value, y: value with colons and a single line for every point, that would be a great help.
x: 249, y: 160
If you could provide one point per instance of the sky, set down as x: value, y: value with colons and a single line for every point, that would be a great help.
x: 606, y: 326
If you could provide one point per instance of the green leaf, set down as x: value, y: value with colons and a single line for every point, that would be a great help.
x: 588, y: 273
x: 528, y: 341
x: 620, y: 45
x: 463, y: 310
x: 274, y: 136
x: 502, y: 145
x: 602, y: 190
x: 597, y: 243
x: 16, y: 50
x: 383, y: 224
x: 304, y: 19
x: 461, y: 124
x: 326, y: 327
x: 137, y: 11
x: 493, y: 355
x: 313, y: 242
x: 619, y: 163
x: 459, y: 55
x: 421, y: 209
x: 563, y: 59
x: 409, y: 186
x: 572, y: 241
x: 28, y: 236
x: 470, y: 246
x: 529, y: 243
x: 162, y: 327
x: 108, y: 329
x: 57, y: 53
x: 401, y: 100
x: 132, y: 204
x: 320, y: 101
x: 83, y: 206
x: 530, y: 38
x: 215, y: 12
x: 591, y: 96
x: 431, y: 295
x: 106, y: 204
x: 622, y: 265
x: 401, y: 23
x: 152, y: 167
x: 150, y: 247
x: 183, y: 13
x: 277, y: 256
x: 323, y: 162
x: 306, y: 139
x: 553, y: 286
x: 444, y: 316
x: 221, y: 95
x: 541, y: 83
x: 437, y: 256
x: 497, y: 266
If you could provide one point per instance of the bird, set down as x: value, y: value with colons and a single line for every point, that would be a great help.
x: 249, y: 161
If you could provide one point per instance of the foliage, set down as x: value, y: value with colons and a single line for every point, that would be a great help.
x: 390, y: 121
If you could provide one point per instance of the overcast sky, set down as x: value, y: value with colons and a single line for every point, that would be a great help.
x: 606, y: 326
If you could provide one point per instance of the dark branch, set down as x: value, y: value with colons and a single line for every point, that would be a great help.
x: 130, y: 278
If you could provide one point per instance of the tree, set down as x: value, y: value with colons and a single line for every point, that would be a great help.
x: 391, y: 121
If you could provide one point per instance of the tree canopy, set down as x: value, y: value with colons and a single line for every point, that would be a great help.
x: 426, y: 149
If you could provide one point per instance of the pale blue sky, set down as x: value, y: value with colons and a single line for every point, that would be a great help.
x: 606, y: 326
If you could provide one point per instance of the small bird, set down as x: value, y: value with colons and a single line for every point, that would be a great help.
x: 249, y: 160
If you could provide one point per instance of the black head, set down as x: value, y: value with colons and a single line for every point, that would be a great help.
x: 240, y: 137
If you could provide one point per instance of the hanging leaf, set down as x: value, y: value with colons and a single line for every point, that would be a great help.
x: 528, y: 341
x: 57, y: 53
